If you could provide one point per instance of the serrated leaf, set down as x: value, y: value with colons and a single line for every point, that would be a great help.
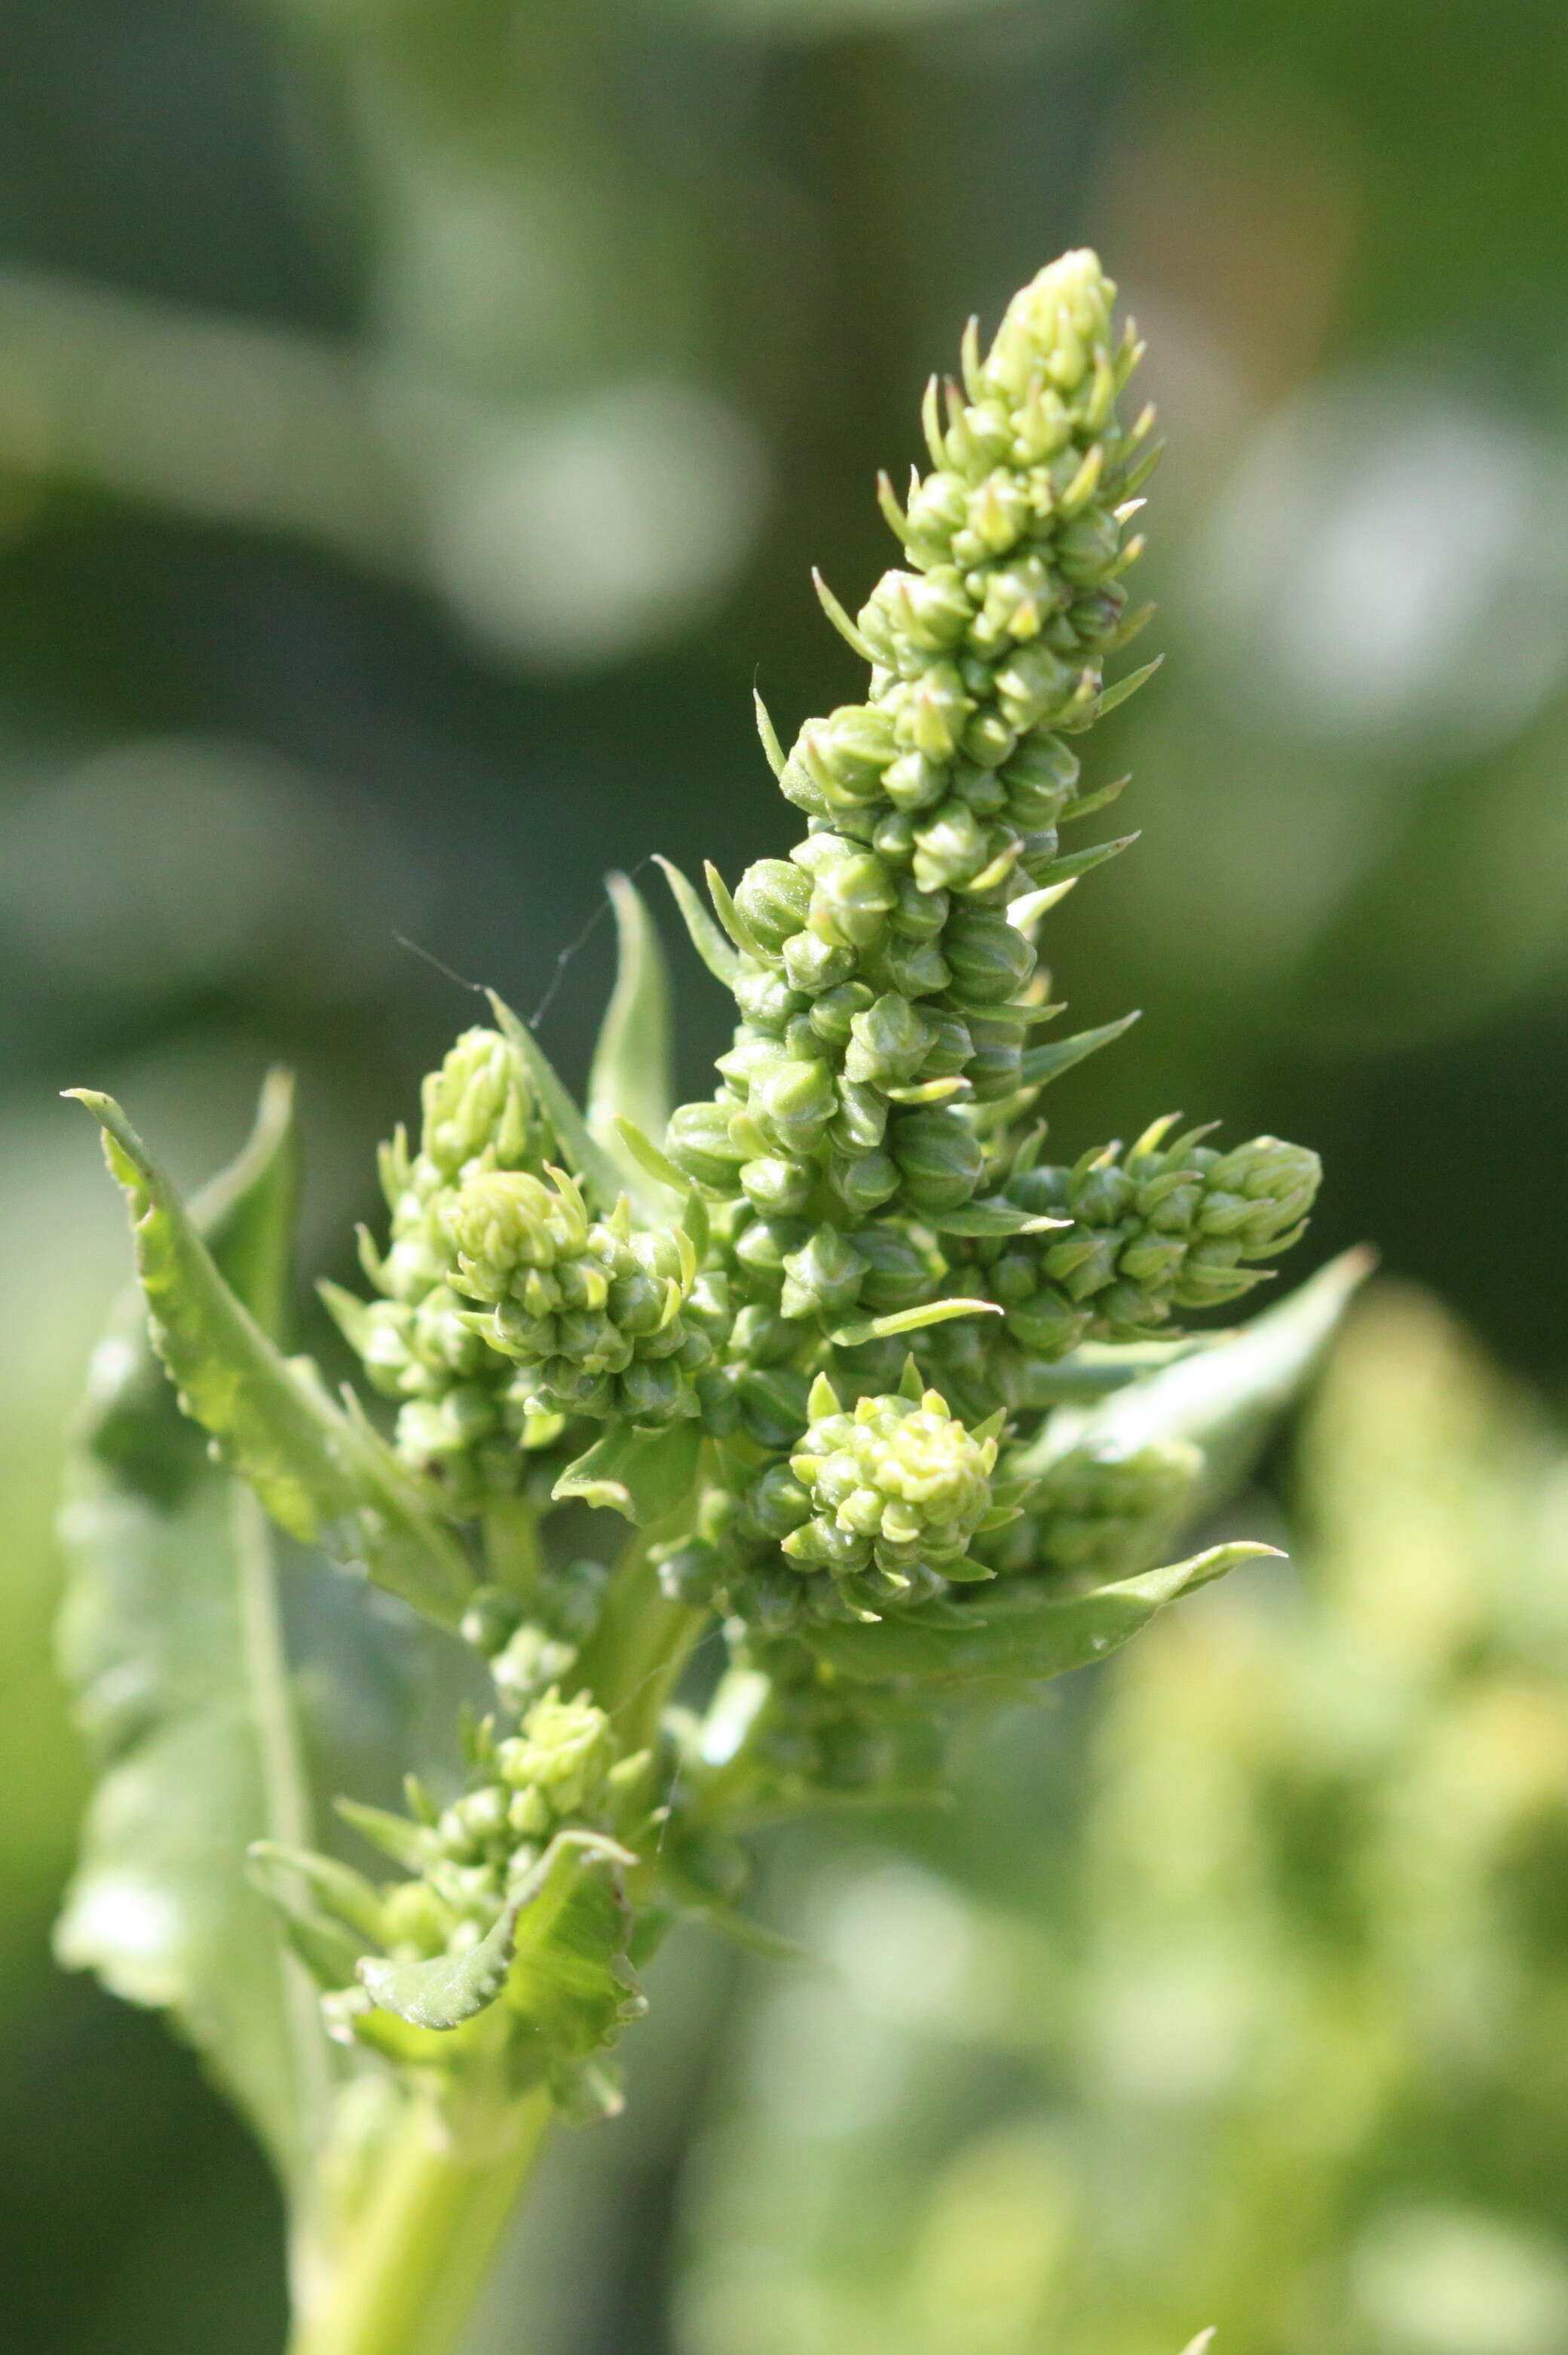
x: 643, y: 1475
x: 584, y: 1155
x: 630, y: 1078
x: 1048, y: 1062
x: 169, y: 1637
x: 722, y: 960
x: 997, y: 1218
x: 909, y: 1320
x: 324, y: 1477
x: 1026, y: 1636
x: 532, y: 1937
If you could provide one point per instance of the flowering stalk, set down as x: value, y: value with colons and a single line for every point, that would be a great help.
x: 818, y: 1338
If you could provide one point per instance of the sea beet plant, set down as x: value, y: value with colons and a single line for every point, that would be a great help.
x: 896, y: 1406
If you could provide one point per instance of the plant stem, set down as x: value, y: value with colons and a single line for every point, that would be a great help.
x: 416, y: 2257
x: 513, y: 1557
x: 638, y: 1646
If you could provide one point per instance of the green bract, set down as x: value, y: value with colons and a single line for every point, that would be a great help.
x: 896, y: 1405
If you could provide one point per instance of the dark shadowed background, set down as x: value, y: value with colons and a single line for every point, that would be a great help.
x: 418, y: 420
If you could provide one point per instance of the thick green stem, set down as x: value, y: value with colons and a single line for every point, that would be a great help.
x: 415, y: 2258
x: 637, y: 1648
x: 513, y: 1555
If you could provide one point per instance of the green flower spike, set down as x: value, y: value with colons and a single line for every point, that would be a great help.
x: 884, y: 1394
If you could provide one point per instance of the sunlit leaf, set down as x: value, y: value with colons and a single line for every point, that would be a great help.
x: 170, y: 1639
x: 643, y: 1475
x: 1019, y: 1635
x: 539, y: 1952
x: 323, y: 1473
x: 1223, y: 1399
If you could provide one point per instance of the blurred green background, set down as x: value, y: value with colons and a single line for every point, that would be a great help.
x: 417, y: 418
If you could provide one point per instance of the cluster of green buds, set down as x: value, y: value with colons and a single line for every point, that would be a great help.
x: 535, y: 1803
x: 1125, y: 1241
x: 886, y: 1498
x: 463, y: 1414
x: 589, y: 1310
x: 819, y: 1336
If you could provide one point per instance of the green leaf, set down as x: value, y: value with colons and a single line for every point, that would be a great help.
x: 582, y: 1152
x: 644, y: 1474
x: 630, y: 1078
x: 650, y: 1157
x: 323, y: 1473
x: 721, y: 959
x: 1223, y: 1399
x: 1112, y: 695
x: 909, y: 1320
x: 1048, y: 1062
x: 550, y: 1963
x: 732, y: 919
x: 1020, y: 1634
x: 170, y: 1640
x: 1095, y: 1369
x: 997, y: 1218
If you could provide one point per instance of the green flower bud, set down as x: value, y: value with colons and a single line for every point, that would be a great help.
x: 939, y: 1159
x: 761, y: 1244
x: 919, y: 915
x: 995, y: 1067
x: 772, y: 898
x: 766, y: 999
x: 506, y: 1222
x: 990, y: 958
x: 926, y: 613
x: 853, y: 896
x: 913, y: 782
x: 860, y: 1123
x: 928, y: 712
x: 952, y: 1044
x: 1041, y: 780
x: 775, y: 1186
x: 954, y: 846
x: 1033, y: 686
x: 699, y: 1142
x: 479, y: 1100
x: 888, y: 1043
x: 835, y: 1011
x: 837, y: 763
x: 915, y: 968
x: 863, y: 1181
x: 900, y: 1272
x: 773, y: 1405
x: 565, y: 1752
x: 794, y: 1104
x: 812, y: 965
x: 776, y: 1504
x: 822, y: 1278
x: 762, y: 1336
